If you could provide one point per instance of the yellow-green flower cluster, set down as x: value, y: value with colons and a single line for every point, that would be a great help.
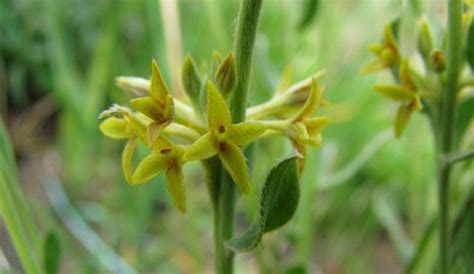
x: 179, y: 131
x: 407, y: 90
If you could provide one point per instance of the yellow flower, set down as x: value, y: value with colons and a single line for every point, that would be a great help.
x: 304, y: 128
x: 388, y: 53
x: 158, y: 106
x: 167, y: 157
x: 224, y: 139
x: 406, y: 93
x: 128, y: 126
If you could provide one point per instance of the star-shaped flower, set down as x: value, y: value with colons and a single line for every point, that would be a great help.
x: 406, y: 93
x: 168, y: 157
x: 158, y: 106
x: 224, y: 139
x: 388, y: 53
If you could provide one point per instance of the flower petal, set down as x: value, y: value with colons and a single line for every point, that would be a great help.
x: 405, y: 76
x: 298, y: 131
x: 114, y: 128
x: 150, y: 167
x: 234, y: 162
x: 394, y: 92
x: 374, y: 66
x: 202, y: 148
x: 175, y: 182
x: 315, y: 124
x: 245, y: 132
x: 155, y: 129
x: 301, y: 150
x: 217, y: 111
x: 389, y: 39
x: 136, y: 127
x: 127, y: 155
x: 148, y: 106
x: 158, y: 88
x: 403, y: 114
x: 312, y: 102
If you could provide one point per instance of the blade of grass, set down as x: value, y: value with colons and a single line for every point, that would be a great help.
x: 81, y: 231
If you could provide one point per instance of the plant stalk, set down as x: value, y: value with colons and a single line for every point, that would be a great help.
x: 448, y: 112
x: 224, y: 206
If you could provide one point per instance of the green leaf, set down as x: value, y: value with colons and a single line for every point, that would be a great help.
x: 309, y: 13
x: 51, y: 254
x: 278, y: 203
x: 470, y: 46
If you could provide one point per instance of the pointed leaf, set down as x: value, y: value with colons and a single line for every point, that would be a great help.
x: 217, y: 111
x: 51, y: 254
x: 235, y: 163
x: 175, y: 183
x: 245, y: 132
x: 278, y: 203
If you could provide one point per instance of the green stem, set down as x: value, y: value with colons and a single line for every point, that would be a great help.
x: 448, y: 108
x: 224, y: 206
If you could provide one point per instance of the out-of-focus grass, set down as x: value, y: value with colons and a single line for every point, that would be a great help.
x: 72, y: 50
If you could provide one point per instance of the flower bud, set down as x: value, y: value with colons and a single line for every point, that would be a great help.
x: 425, y: 39
x: 226, y: 75
x: 438, y: 63
x: 136, y: 86
x: 191, y: 79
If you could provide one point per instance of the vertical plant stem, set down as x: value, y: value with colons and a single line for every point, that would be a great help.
x: 247, y: 23
x: 448, y: 111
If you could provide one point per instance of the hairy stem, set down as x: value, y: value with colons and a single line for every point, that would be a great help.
x: 226, y: 196
x: 448, y: 111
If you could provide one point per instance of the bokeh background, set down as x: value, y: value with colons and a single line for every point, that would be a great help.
x: 367, y: 198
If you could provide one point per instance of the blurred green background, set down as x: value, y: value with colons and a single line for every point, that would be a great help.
x: 367, y: 199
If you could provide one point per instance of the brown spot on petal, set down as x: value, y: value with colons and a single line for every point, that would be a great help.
x: 165, y: 151
x: 171, y: 164
x: 222, y: 146
x: 221, y: 129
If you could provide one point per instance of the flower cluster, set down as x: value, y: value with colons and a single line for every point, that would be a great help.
x: 407, y: 90
x: 200, y: 126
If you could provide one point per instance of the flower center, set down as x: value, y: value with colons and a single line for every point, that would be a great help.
x: 221, y: 129
x: 165, y: 151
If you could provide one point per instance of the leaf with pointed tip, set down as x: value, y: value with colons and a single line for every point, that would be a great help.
x: 278, y: 203
x: 51, y: 254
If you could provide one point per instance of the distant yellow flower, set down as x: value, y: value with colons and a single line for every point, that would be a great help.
x: 167, y: 157
x: 388, y: 53
x: 224, y: 139
x: 158, y: 106
x: 406, y: 93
